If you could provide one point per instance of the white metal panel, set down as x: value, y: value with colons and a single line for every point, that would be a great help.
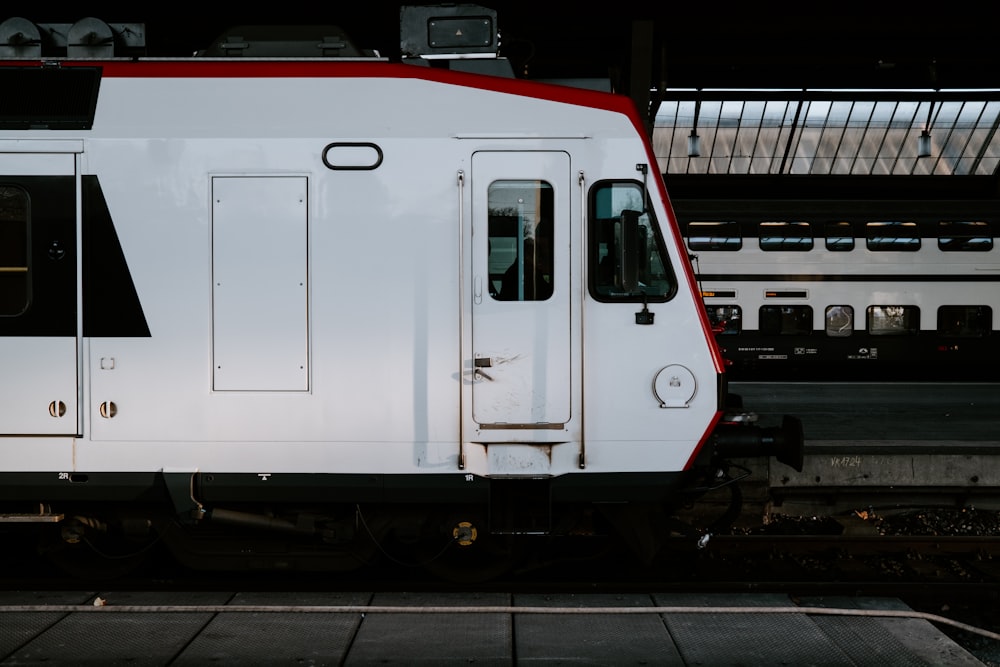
x: 41, y: 145
x: 130, y: 106
x: 38, y: 386
x: 32, y: 164
x: 383, y: 304
x: 259, y: 270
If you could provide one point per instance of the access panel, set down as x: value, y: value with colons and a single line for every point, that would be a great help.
x: 260, y: 336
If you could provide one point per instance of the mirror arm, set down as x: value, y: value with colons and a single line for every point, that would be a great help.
x: 644, y: 169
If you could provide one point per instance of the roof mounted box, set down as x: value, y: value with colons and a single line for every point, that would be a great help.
x: 284, y: 41
x: 448, y: 31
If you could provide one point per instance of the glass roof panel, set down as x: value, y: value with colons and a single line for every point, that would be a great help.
x: 845, y: 132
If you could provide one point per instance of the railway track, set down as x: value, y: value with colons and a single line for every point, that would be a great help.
x: 921, y: 545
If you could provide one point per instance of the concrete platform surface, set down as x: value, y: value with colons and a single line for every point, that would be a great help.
x: 357, y: 628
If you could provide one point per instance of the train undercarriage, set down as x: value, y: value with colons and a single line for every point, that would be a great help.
x: 472, y: 532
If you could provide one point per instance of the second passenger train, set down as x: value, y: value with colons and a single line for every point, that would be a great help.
x: 880, y: 290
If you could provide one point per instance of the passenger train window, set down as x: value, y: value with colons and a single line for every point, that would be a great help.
x: 627, y: 258
x: 785, y: 236
x: 965, y: 321
x: 725, y: 319
x: 14, y: 218
x: 785, y: 320
x: 893, y: 320
x: 839, y: 321
x: 520, y: 240
x: 964, y: 236
x: 903, y: 236
x: 714, y: 236
x: 839, y: 236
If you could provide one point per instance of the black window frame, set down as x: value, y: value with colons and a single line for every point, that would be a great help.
x: 726, y: 242
x: 785, y: 319
x: 600, y: 231
x: 774, y: 235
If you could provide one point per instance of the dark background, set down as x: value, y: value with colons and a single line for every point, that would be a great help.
x: 692, y: 45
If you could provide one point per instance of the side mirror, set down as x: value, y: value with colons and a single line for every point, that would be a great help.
x: 631, y: 248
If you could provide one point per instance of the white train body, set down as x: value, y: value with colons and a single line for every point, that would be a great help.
x: 253, y: 284
x: 339, y: 312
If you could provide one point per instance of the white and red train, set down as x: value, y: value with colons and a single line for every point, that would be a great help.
x: 280, y: 311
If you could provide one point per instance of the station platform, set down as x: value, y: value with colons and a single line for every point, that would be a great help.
x: 359, y: 628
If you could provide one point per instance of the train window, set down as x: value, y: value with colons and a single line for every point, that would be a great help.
x: 520, y: 240
x: 893, y: 320
x: 965, y: 235
x: 14, y: 275
x: 839, y: 236
x: 627, y: 256
x: 714, y: 236
x: 839, y: 321
x: 903, y: 236
x: 965, y: 321
x: 785, y: 236
x: 785, y: 320
x: 725, y: 319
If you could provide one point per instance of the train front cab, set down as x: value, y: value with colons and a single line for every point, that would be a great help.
x: 600, y: 402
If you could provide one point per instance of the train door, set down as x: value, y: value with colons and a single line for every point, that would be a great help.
x: 39, y: 289
x: 523, y: 387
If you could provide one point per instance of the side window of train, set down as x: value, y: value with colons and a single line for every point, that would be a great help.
x: 14, y: 268
x: 785, y: 320
x: 521, y: 250
x: 965, y: 321
x: 893, y: 320
x: 965, y: 236
x: 839, y: 236
x: 893, y: 236
x: 627, y: 258
x: 725, y: 319
x: 785, y: 236
x: 839, y: 321
x: 708, y: 235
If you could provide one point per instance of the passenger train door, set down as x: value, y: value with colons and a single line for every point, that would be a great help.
x: 522, y: 385
x: 39, y: 288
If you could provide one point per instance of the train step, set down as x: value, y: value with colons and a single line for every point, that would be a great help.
x: 39, y: 517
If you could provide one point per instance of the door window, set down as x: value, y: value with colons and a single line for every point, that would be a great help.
x: 520, y: 240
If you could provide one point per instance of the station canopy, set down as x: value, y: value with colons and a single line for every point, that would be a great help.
x: 828, y: 132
